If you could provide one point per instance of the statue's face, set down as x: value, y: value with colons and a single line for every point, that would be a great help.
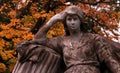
x: 73, y: 22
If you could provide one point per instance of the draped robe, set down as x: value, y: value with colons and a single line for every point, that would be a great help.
x: 94, y: 54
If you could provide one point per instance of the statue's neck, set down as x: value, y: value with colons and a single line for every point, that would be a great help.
x: 75, y: 34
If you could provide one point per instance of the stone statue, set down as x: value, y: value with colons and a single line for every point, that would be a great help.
x: 77, y: 52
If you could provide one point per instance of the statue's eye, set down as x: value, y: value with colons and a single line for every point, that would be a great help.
x: 69, y: 19
x: 75, y: 18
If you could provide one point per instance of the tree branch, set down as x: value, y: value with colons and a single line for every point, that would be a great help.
x: 97, y: 2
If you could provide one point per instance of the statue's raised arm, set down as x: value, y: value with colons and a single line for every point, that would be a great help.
x: 43, y: 30
x: 35, y: 56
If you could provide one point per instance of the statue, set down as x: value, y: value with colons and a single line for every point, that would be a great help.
x: 78, y: 51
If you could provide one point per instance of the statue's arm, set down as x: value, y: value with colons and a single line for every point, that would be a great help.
x: 40, y: 39
x: 43, y: 30
x: 105, y: 54
x: 53, y: 43
x: 40, y: 36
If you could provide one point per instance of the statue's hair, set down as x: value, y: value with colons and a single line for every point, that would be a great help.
x: 75, y: 10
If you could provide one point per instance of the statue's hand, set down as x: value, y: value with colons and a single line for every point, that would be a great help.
x: 28, y: 50
x: 20, y: 47
x: 59, y: 17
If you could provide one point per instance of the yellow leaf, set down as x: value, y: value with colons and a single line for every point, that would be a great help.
x: 10, y: 56
x: 4, y: 56
x: 2, y: 67
x: 1, y: 48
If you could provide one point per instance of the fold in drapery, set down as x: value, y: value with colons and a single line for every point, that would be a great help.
x: 47, y: 62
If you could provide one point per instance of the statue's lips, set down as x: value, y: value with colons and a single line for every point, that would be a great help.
x: 72, y: 27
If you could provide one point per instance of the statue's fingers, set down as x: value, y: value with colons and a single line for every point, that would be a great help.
x: 36, y: 54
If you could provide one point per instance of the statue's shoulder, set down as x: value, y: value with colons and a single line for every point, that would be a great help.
x: 90, y: 36
x: 62, y: 38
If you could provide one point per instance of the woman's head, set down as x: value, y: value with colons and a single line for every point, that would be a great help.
x: 73, y: 22
x: 74, y: 11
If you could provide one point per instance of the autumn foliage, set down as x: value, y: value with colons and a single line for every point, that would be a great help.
x: 20, y: 20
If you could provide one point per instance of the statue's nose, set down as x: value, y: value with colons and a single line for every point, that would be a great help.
x: 72, y: 22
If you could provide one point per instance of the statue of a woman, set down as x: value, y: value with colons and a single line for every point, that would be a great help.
x: 82, y: 52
